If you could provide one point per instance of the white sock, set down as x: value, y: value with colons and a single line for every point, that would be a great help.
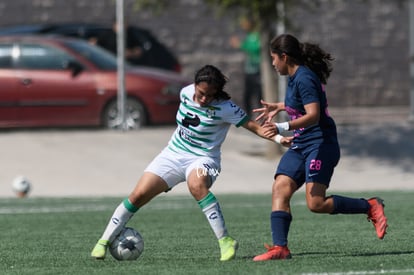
x: 212, y: 211
x: 117, y: 222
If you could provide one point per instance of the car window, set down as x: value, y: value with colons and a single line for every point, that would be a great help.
x: 41, y: 57
x: 140, y: 37
x: 5, y: 55
x: 78, y: 31
x: 101, y: 58
x: 23, y: 29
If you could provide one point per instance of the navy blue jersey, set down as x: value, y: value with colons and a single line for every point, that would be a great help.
x: 304, y: 87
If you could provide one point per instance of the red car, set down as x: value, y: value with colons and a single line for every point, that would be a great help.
x: 55, y: 81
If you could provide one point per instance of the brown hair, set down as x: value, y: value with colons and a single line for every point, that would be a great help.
x: 310, y: 55
x: 214, y: 77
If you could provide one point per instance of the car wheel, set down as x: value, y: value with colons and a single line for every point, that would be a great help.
x: 135, y: 116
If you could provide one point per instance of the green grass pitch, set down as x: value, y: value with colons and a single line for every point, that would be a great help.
x: 56, y: 235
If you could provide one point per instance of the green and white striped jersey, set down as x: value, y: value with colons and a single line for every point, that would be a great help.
x: 202, y: 130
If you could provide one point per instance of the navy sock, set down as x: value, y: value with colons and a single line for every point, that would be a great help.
x: 280, y: 223
x: 344, y: 205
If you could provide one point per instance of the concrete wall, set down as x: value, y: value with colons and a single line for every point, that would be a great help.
x: 369, y: 40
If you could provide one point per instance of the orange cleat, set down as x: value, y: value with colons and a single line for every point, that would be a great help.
x: 377, y: 217
x: 274, y: 253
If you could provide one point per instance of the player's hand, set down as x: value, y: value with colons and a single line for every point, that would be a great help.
x: 268, y: 111
x: 269, y: 130
x: 286, y: 141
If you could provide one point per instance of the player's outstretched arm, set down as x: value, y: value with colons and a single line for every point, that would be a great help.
x: 269, y: 110
x: 266, y: 131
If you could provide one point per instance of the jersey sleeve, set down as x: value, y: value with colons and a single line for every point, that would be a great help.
x: 233, y: 114
x: 309, y: 89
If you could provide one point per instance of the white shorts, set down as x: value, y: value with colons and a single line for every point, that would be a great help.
x: 174, y: 168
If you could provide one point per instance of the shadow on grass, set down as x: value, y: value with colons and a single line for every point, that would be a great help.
x: 366, y: 254
x: 393, y: 144
x: 384, y: 253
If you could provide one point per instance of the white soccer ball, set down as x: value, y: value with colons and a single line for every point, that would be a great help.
x: 21, y: 185
x: 128, y: 245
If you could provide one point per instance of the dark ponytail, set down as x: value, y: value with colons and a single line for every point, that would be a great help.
x: 310, y: 55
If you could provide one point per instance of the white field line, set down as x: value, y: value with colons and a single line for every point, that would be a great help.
x: 160, y: 205
x: 11, y: 210
x: 52, y: 209
x: 365, y: 272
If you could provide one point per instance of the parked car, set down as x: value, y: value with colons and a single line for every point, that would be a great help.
x: 61, y: 81
x: 154, y: 54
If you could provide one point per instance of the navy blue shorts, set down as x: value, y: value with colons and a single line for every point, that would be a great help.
x: 314, y: 163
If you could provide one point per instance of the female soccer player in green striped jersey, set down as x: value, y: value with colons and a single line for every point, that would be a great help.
x: 192, y: 155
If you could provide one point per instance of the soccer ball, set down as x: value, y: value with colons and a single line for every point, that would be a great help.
x: 21, y: 186
x: 128, y: 245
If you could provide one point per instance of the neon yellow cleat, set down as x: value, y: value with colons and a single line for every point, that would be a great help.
x: 228, y: 248
x: 99, y: 251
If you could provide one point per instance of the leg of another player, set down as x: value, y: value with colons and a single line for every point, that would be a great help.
x: 318, y: 202
x: 198, y: 185
x: 147, y: 188
x: 316, y: 198
x: 374, y: 207
x: 280, y: 218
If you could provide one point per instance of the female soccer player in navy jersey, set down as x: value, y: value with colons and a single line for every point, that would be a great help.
x: 313, y: 150
x: 193, y: 154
